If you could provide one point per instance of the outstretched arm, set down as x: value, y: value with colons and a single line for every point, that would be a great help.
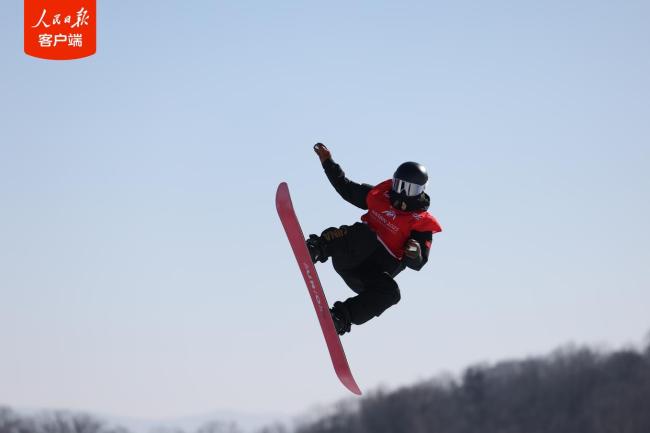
x: 351, y: 192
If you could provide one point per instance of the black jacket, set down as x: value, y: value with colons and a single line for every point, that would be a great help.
x: 356, y: 194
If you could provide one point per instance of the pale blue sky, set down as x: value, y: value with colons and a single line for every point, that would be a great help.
x: 144, y: 272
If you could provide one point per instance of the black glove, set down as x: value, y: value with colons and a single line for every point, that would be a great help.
x: 323, y: 152
x: 412, y: 250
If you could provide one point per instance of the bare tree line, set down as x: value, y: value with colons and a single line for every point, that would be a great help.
x: 55, y: 422
x: 574, y: 390
x: 66, y: 422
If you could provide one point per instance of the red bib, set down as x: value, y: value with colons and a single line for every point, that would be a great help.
x: 393, y: 227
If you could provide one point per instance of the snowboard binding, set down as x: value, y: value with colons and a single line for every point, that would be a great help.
x: 316, y: 248
x: 341, y: 318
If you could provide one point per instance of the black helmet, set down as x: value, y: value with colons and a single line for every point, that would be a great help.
x: 410, y: 179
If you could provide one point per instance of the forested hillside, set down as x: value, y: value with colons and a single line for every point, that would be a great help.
x: 571, y: 391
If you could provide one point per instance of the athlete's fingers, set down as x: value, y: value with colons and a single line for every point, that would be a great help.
x: 322, y: 151
x: 412, y: 248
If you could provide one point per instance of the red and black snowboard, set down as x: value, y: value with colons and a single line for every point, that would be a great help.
x: 297, y: 241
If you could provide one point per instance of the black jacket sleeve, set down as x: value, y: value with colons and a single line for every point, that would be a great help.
x: 424, y: 239
x: 351, y: 192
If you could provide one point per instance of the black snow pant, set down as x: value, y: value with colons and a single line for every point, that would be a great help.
x: 366, y: 267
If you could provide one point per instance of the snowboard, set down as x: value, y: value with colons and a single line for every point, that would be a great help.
x: 297, y: 240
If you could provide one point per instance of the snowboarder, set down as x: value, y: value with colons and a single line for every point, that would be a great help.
x: 395, y: 233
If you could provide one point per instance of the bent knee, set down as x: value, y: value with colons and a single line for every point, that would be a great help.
x: 391, y: 290
x: 395, y: 296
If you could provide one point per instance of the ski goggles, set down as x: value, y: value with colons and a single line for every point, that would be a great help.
x: 409, y: 188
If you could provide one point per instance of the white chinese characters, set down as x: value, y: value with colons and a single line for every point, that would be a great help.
x: 47, y: 40
x: 71, y: 39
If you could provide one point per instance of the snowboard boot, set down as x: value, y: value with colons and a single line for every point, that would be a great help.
x: 316, y: 249
x: 320, y: 246
x: 341, y: 318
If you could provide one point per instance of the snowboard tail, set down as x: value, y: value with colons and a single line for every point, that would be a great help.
x: 297, y: 240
